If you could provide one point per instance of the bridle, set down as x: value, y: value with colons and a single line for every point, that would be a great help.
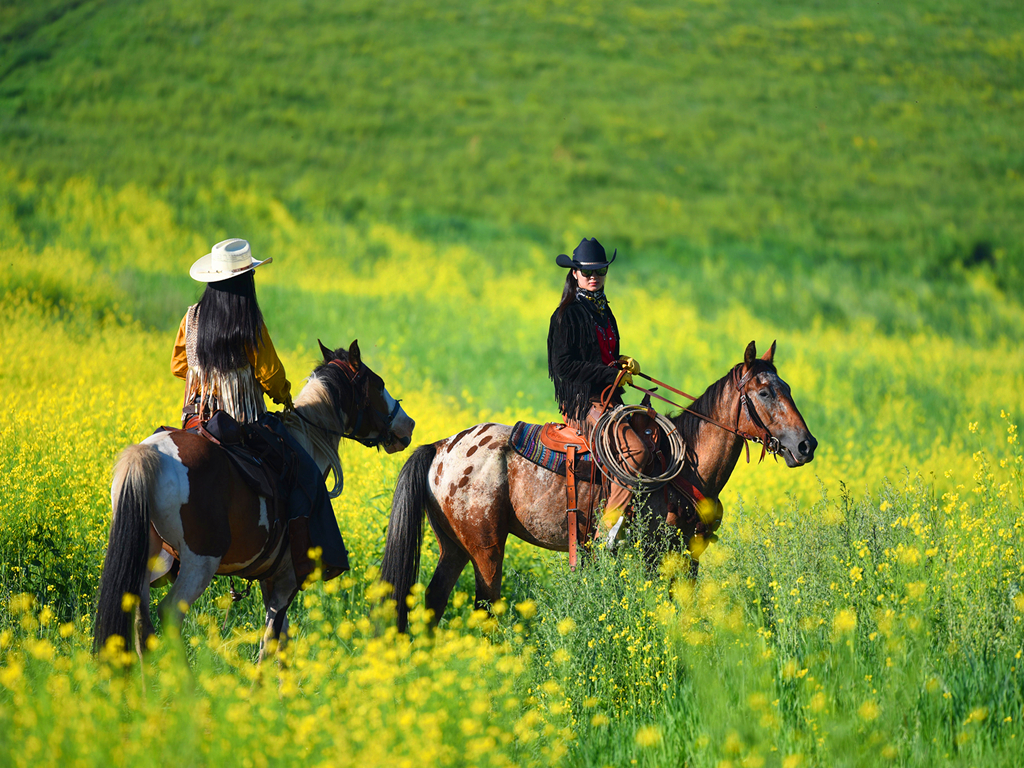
x: 769, y: 443
x: 357, y: 378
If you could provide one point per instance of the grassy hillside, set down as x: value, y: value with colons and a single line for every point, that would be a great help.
x: 886, y: 136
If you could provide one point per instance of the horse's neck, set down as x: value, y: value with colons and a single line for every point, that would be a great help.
x: 322, y: 446
x: 716, y: 449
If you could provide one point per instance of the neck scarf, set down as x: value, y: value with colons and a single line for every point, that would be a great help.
x: 597, y: 298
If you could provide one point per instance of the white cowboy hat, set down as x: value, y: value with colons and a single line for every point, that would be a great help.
x: 227, y: 259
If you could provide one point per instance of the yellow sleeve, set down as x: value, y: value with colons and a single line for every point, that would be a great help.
x: 179, y: 360
x: 270, y: 372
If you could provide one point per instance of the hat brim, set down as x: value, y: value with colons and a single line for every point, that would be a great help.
x: 570, y: 263
x: 201, y: 270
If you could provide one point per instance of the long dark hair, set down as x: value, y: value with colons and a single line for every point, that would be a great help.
x: 229, y: 322
x: 568, y: 292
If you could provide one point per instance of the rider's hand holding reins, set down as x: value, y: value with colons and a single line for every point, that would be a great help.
x: 630, y: 366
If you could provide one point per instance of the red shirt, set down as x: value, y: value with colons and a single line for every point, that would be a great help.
x: 608, y: 342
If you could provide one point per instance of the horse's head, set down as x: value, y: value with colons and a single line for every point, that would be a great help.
x: 369, y: 414
x: 767, y: 409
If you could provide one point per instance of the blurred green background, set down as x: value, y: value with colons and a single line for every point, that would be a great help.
x: 882, y: 139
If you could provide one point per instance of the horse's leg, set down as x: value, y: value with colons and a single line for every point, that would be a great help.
x: 487, y: 563
x: 470, y: 486
x: 482, y: 543
x: 278, y: 592
x: 446, y: 575
x: 195, y: 574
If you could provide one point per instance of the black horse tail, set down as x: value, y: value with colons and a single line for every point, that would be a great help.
x: 125, y: 564
x: 401, y: 566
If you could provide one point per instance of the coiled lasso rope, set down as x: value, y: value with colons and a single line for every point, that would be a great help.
x: 605, y: 446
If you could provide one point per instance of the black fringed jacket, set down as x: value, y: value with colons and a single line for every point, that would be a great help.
x: 574, y: 357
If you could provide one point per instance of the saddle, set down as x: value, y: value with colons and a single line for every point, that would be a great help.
x: 561, y: 437
x: 562, y: 449
x: 263, y: 462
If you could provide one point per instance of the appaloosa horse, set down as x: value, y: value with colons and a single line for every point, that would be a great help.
x: 476, y: 490
x: 180, y: 490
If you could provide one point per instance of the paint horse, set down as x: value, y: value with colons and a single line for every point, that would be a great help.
x: 178, y: 491
x: 476, y: 491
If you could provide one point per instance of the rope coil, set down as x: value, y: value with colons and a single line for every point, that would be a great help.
x: 605, y: 447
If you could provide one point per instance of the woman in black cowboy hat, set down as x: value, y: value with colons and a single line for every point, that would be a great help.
x: 584, y: 360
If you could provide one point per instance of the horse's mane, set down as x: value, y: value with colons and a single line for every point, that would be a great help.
x: 324, y: 387
x: 316, y: 396
x: 689, y: 425
x: 320, y: 399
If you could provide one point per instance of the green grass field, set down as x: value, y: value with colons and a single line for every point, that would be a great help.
x: 846, y: 178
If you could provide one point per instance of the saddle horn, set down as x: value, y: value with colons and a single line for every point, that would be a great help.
x: 646, y: 402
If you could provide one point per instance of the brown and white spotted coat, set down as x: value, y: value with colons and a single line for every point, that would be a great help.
x: 471, y: 464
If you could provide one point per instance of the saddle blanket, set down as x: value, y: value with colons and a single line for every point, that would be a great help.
x: 525, y: 440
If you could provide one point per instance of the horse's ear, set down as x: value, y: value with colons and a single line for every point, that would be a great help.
x: 769, y: 356
x: 327, y: 353
x: 749, y: 355
x: 353, y: 355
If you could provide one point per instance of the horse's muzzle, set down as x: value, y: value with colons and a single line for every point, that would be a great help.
x: 801, y: 453
x: 397, y: 444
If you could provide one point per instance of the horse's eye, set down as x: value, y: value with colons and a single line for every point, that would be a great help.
x: 763, y: 393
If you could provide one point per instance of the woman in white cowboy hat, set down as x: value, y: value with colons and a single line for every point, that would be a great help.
x: 223, y: 350
x: 225, y: 355
x: 584, y: 360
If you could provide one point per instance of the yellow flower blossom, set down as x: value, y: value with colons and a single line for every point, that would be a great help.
x: 845, y: 621
x: 648, y: 736
x: 869, y: 710
x: 566, y: 626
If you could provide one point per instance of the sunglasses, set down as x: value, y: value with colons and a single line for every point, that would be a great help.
x: 590, y: 272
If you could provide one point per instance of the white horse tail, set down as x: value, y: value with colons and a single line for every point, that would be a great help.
x: 126, y: 561
x: 401, y: 565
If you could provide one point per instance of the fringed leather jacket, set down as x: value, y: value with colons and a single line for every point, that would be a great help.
x: 582, y: 343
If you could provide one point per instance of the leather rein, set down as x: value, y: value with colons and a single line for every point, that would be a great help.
x: 353, y: 377
x: 769, y: 443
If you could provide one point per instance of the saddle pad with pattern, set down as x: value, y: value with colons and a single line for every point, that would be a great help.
x: 525, y: 440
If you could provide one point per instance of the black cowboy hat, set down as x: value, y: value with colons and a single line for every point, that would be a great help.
x: 589, y: 254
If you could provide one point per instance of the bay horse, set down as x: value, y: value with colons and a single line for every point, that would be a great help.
x: 178, y: 491
x: 475, y: 490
